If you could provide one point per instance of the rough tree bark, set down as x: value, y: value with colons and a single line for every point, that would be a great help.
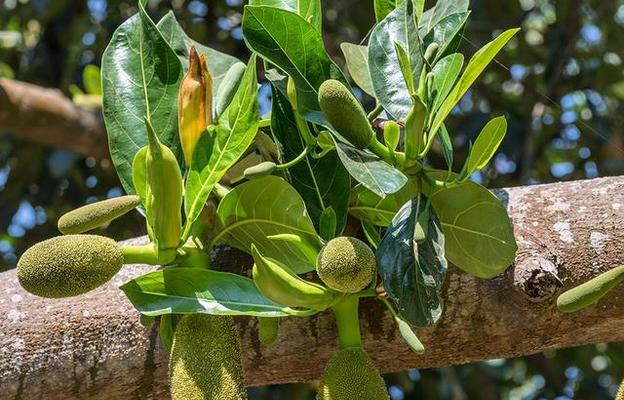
x: 46, y: 116
x: 93, y: 346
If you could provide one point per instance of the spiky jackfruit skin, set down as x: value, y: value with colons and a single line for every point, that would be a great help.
x: 346, y: 264
x: 205, y: 359
x: 345, y: 113
x: 351, y: 374
x: 94, y: 215
x: 67, y: 266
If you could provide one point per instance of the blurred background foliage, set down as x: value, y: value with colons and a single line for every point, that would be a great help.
x: 560, y: 83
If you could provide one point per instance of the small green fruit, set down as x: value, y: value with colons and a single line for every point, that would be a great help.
x: 591, y: 291
x: 259, y: 170
x: 345, y: 113
x: 351, y: 374
x: 346, y: 264
x: 94, y: 215
x: 67, y: 266
x: 205, y: 359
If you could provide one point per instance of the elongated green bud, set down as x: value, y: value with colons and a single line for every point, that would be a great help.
x: 205, y: 359
x: 590, y: 291
x: 351, y: 374
x: 228, y: 86
x: 67, y: 266
x: 94, y: 215
x: 268, y: 330
x: 164, y: 192
x: 279, y: 284
x: 431, y: 51
x: 259, y: 170
x: 346, y: 264
x: 345, y: 113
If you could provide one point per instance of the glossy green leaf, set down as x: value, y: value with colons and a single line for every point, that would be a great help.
x: 398, y: 27
x: 368, y: 169
x: 372, y: 234
x: 383, y: 8
x: 356, y: 57
x: 479, y: 234
x: 441, y: 10
x: 447, y: 34
x: 140, y: 75
x: 447, y: 146
x: 406, y: 69
x: 485, y: 146
x: 327, y: 224
x: 322, y: 182
x: 475, y: 67
x: 310, y: 10
x: 219, y: 148
x: 368, y: 206
x: 291, y: 43
x: 264, y: 207
x: 445, y: 74
x: 218, y: 63
x: 180, y: 290
x: 413, y: 273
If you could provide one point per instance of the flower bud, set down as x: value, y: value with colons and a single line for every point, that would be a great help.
x: 194, y: 104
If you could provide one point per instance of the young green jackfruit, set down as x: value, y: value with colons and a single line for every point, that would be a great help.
x: 346, y: 264
x: 345, y: 113
x: 94, y: 215
x: 351, y: 374
x: 205, y: 359
x: 67, y: 266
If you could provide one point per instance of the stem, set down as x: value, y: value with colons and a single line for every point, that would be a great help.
x: 375, y: 113
x: 348, y: 322
x: 304, y: 130
x: 384, y: 153
x: 144, y: 254
x: 294, y: 161
x: 263, y: 123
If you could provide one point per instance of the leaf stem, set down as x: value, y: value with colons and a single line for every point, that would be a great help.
x: 375, y: 113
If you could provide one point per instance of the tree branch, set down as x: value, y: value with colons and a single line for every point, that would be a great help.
x: 93, y: 346
x: 46, y: 116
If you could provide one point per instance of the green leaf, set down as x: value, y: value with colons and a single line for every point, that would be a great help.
x: 406, y: 69
x: 219, y: 148
x: 368, y: 169
x: 475, y: 67
x: 180, y: 290
x: 479, y: 234
x: 167, y: 329
x: 310, y: 10
x: 447, y: 146
x: 485, y: 146
x: 141, y: 76
x: 372, y: 233
x: 322, y: 182
x: 398, y: 27
x: 383, y: 8
x: 441, y: 10
x: 327, y: 224
x: 412, y: 272
x: 291, y: 43
x: 92, y: 80
x: 264, y: 207
x: 356, y: 57
x: 218, y: 63
x: 445, y: 74
x: 369, y: 207
x: 447, y: 34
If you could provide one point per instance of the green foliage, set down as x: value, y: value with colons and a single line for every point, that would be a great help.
x: 205, y: 360
x: 67, y: 266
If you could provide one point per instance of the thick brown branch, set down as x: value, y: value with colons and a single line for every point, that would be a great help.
x: 93, y: 347
x: 46, y: 116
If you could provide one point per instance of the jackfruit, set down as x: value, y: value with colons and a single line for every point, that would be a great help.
x: 67, y: 266
x: 346, y: 264
x: 94, y: 215
x: 345, y: 113
x: 351, y: 374
x: 205, y: 359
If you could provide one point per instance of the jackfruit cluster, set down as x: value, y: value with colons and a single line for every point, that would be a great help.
x: 351, y: 374
x: 67, y: 266
x: 345, y: 113
x: 346, y: 264
x: 94, y: 215
x: 205, y: 359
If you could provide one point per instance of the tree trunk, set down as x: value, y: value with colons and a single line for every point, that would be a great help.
x: 93, y: 346
x: 46, y: 116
